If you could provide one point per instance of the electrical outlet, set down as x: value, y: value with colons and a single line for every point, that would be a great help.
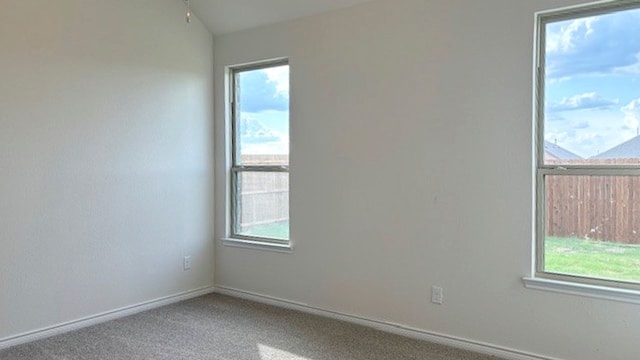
x: 187, y: 263
x: 436, y: 295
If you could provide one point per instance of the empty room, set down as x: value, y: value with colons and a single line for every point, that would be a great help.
x: 319, y: 179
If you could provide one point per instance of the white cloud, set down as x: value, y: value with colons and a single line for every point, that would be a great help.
x: 632, y: 114
x: 603, y: 130
x: 565, y: 39
x: 280, y: 147
x: 280, y: 76
x: 593, y: 46
x: 630, y: 69
x: 258, y: 138
x: 590, y: 100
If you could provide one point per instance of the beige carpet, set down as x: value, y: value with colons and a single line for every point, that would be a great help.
x: 221, y: 327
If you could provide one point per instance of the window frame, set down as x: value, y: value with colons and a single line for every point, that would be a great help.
x: 575, y: 284
x: 236, y: 168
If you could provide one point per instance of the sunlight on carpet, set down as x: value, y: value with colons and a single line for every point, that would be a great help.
x: 270, y: 353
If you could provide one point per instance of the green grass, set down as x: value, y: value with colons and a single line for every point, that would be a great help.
x: 592, y: 258
x: 279, y: 230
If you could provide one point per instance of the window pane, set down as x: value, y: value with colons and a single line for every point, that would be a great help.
x: 591, y: 90
x: 592, y: 226
x: 262, y: 204
x: 263, y: 116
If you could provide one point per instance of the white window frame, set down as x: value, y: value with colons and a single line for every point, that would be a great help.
x: 540, y: 279
x: 235, y: 167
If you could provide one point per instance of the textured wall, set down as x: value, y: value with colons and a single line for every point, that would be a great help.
x: 106, y: 175
x: 411, y: 137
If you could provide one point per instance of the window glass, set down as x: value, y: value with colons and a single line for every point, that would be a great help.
x: 592, y: 226
x: 588, y: 181
x: 260, y: 171
x: 263, y: 204
x: 263, y: 122
x: 592, y: 89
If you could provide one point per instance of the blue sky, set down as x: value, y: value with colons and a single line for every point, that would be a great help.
x: 592, y: 82
x: 264, y: 111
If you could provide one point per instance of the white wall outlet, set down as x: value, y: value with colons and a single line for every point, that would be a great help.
x: 187, y: 263
x: 436, y: 295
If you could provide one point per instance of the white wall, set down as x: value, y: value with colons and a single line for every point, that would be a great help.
x: 411, y: 166
x: 106, y: 176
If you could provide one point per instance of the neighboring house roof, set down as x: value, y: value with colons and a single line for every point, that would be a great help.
x: 627, y: 150
x: 558, y: 152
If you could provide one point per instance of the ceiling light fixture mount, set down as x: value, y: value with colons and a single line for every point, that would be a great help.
x: 188, y: 17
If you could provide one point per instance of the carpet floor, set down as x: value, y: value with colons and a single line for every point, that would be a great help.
x: 217, y: 327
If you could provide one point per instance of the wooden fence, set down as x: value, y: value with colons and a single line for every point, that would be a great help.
x: 603, y: 208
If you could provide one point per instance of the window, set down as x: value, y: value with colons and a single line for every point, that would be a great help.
x: 260, y: 153
x: 588, y: 145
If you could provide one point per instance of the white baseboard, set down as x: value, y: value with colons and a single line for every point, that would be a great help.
x: 460, y: 343
x: 100, y: 318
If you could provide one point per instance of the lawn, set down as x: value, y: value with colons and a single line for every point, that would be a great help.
x: 278, y: 230
x: 592, y: 258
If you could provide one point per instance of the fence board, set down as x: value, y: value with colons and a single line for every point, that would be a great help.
x: 603, y: 208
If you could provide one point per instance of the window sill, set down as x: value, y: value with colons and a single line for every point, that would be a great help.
x: 257, y: 245
x: 593, y: 291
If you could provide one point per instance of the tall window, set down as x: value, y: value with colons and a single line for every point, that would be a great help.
x: 588, y: 145
x: 260, y: 152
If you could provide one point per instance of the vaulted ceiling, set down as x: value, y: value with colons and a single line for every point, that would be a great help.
x: 224, y: 16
